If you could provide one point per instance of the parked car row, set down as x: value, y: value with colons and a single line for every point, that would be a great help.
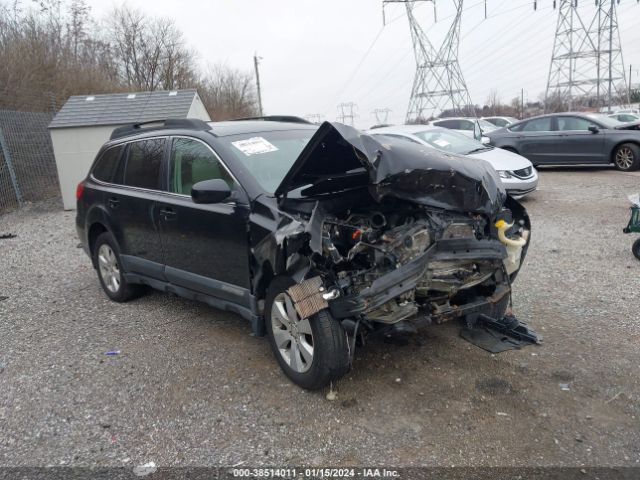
x: 553, y: 139
x: 573, y: 139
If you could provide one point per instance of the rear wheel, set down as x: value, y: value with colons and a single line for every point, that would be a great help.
x: 310, y: 351
x: 635, y: 248
x: 107, y: 260
x: 627, y: 157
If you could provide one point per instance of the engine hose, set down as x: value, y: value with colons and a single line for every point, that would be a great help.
x: 502, y: 227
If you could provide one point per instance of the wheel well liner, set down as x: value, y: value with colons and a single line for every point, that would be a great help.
x: 95, y: 231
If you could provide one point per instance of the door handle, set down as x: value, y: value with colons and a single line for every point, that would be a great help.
x: 113, y: 202
x: 168, y: 213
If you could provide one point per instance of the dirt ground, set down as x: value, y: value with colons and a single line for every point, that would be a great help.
x: 192, y: 387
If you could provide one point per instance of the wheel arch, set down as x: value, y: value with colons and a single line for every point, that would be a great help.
x: 262, y: 280
x: 612, y: 152
x: 95, y: 230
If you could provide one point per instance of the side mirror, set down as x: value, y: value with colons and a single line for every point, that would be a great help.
x: 485, y: 140
x: 593, y: 129
x: 210, y: 191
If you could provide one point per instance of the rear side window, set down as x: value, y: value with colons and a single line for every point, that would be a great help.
x: 144, y: 162
x: 107, y: 165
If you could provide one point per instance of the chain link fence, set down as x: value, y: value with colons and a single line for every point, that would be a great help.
x: 27, y: 163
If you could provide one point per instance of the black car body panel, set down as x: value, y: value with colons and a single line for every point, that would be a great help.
x: 556, y: 146
x: 396, y: 232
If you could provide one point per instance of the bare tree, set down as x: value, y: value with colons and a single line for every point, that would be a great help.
x: 493, y: 102
x: 151, y: 53
x: 47, y: 54
x: 228, y: 93
x: 49, y: 49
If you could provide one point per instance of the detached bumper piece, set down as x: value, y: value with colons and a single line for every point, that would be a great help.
x: 495, y: 336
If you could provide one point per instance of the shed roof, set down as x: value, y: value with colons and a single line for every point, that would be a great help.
x: 123, y: 108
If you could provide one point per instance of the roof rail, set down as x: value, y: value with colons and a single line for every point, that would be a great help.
x: 275, y: 118
x: 132, y: 129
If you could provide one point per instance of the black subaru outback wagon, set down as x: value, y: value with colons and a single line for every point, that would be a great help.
x: 317, y: 235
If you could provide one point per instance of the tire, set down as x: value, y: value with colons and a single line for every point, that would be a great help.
x: 106, y: 258
x: 328, y: 358
x: 626, y: 157
x: 635, y: 248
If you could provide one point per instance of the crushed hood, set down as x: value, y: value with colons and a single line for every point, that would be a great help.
x: 339, y: 157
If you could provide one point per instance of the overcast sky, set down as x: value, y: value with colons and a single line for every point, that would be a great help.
x: 318, y: 53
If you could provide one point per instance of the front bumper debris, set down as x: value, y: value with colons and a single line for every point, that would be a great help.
x: 497, y: 336
x: 405, y: 279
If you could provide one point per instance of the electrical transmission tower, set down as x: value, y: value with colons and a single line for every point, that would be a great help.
x: 587, y: 69
x: 438, y: 84
x: 382, y: 115
x: 347, y: 113
x: 315, y: 117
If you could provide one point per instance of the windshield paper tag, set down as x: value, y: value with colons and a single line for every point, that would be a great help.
x: 441, y: 143
x: 254, y: 146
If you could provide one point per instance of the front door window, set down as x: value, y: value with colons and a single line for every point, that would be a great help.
x: 192, y: 162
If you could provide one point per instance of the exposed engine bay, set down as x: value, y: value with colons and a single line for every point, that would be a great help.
x: 360, y: 247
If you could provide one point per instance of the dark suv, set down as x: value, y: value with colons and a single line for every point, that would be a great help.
x: 317, y: 235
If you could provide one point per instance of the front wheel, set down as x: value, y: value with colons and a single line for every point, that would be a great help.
x: 310, y: 351
x: 635, y: 248
x: 627, y: 157
x: 107, y: 261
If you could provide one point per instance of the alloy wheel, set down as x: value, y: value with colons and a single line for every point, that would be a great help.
x: 109, y: 270
x: 624, y: 158
x: 292, y: 335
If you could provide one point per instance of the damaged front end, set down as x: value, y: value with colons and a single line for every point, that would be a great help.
x: 392, y: 236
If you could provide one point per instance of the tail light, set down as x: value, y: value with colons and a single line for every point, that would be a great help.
x: 79, y: 190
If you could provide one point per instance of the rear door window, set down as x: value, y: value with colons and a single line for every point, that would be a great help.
x: 107, y: 165
x: 144, y: 164
x: 537, y: 125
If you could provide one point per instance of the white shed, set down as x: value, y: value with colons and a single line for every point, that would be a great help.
x: 85, y: 123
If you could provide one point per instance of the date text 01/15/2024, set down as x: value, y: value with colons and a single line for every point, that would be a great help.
x: 314, y: 473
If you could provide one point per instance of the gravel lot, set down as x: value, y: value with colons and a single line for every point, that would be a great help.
x: 191, y: 387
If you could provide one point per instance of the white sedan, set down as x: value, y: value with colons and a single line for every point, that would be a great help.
x: 518, y: 175
x: 471, y: 127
